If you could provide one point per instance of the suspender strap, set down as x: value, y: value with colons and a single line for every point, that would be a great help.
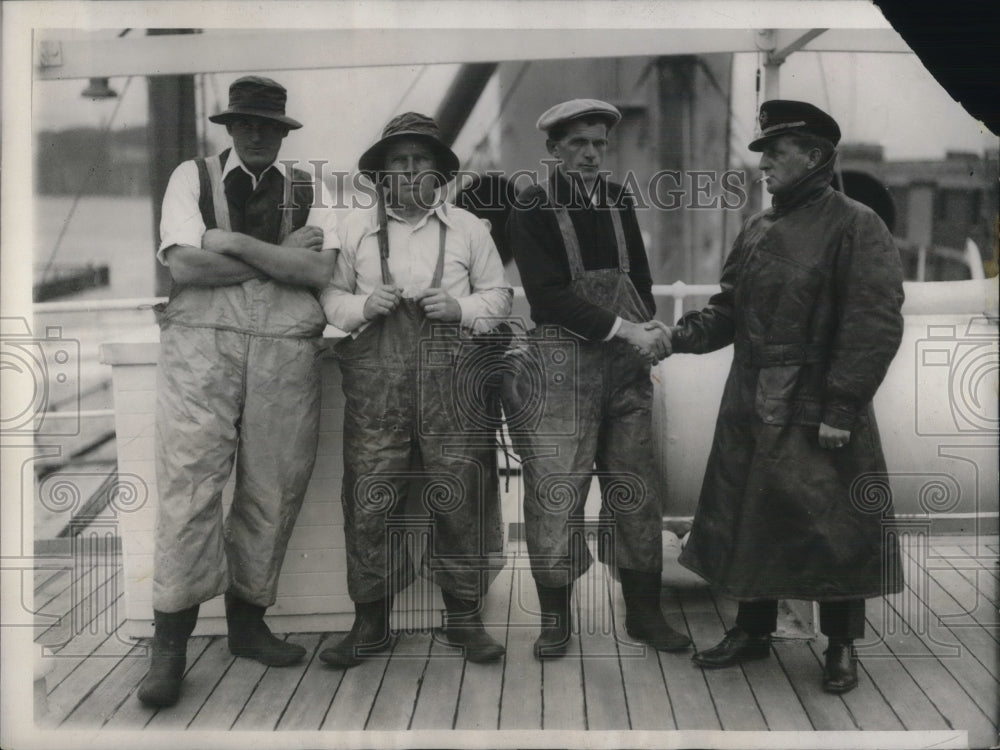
x: 383, y: 244
x: 383, y: 236
x: 218, y: 191
x: 439, y: 269
x: 572, y: 243
x: 570, y: 240
x: 616, y: 222
x: 205, y: 203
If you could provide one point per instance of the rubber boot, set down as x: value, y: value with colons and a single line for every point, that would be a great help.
x: 643, y: 617
x: 168, y: 657
x: 249, y: 635
x: 464, y: 628
x: 368, y: 635
x: 553, y: 641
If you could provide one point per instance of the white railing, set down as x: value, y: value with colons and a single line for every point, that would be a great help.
x: 678, y: 291
x: 974, y: 296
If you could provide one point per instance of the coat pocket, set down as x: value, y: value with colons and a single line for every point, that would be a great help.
x: 779, y: 398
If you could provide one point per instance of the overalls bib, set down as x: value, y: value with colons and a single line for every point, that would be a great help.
x: 413, y: 461
x: 574, y: 406
x: 238, y: 380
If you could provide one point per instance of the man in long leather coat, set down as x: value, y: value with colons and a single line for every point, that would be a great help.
x: 811, y: 297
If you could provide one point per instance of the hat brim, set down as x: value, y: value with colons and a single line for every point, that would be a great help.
x: 232, y: 114
x: 758, y: 144
x: 372, y: 161
x: 610, y: 119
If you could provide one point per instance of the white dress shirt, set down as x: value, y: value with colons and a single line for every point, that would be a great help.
x: 181, y: 222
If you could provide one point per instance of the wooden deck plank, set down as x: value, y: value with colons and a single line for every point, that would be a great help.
x: 437, y: 702
x: 230, y: 695
x: 826, y: 712
x: 199, y: 682
x: 356, y: 692
x: 603, y: 686
x: 780, y: 706
x: 64, y: 612
x: 562, y: 683
x: 271, y: 694
x: 962, y: 598
x: 521, y: 693
x: 985, y: 563
x: 97, y: 707
x: 649, y: 705
x: 944, y: 690
x: 132, y: 714
x: 74, y: 650
x: 735, y: 702
x: 694, y: 706
x: 914, y: 709
x: 950, y: 599
x: 482, y: 684
x: 312, y: 697
x: 53, y: 583
x: 398, y: 692
x: 868, y: 706
x: 89, y: 672
x: 980, y: 641
x: 981, y: 572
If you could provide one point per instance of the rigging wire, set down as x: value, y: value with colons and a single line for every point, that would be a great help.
x: 106, y: 131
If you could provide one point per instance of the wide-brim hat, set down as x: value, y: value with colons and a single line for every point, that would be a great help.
x: 409, y: 125
x: 576, y: 109
x: 784, y: 117
x: 255, y: 96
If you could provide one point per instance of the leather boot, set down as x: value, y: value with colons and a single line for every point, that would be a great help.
x: 464, y: 628
x: 840, y: 670
x: 368, y: 635
x: 643, y: 617
x: 553, y: 641
x: 249, y: 635
x: 168, y: 657
x: 738, y: 646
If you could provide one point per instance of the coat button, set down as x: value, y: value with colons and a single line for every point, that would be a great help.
x: 769, y: 418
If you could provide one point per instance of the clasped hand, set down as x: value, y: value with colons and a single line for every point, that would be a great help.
x: 651, y: 340
x: 436, y: 303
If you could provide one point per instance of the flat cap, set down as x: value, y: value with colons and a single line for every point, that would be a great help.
x: 577, y: 108
x: 784, y: 116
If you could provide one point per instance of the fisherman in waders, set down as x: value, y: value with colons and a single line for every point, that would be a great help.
x: 238, y: 380
x: 415, y: 276
x: 586, y: 368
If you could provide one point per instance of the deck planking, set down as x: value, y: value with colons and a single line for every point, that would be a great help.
x: 266, y: 704
x: 521, y: 692
x: 649, y: 703
x: 909, y: 679
x: 482, y: 684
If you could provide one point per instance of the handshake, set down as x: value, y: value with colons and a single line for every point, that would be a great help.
x: 651, y: 340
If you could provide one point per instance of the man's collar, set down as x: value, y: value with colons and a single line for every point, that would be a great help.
x: 440, y: 211
x: 570, y: 191
x: 233, y: 161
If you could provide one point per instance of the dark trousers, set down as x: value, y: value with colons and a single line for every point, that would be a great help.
x: 842, y: 620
